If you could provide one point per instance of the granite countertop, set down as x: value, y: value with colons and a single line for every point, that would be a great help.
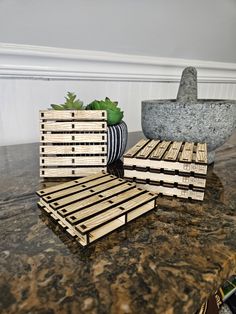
x: 167, y: 261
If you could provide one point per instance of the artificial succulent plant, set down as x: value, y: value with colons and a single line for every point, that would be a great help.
x: 71, y: 103
x: 114, y: 113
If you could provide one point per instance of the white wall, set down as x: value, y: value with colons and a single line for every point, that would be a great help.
x: 202, y: 29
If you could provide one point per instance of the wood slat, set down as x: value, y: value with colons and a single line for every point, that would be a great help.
x: 83, y: 194
x: 201, y: 153
x: 106, y: 216
x: 168, y: 178
x: 73, y: 161
x: 107, y: 228
x: 73, y: 126
x: 173, y: 151
x: 145, y: 152
x: 96, y: 209
x: 195, y: 195
x: 117, y: 187
x: 187, y: 152
x: 73, y: 149
x: 77, y: 188
x: 160, y: 150
x: 70, y: 171
x: 136, y: 148
x: 140, y: 211
x: 80, y: 115
x: 74, y: 138
x: 62, y: 186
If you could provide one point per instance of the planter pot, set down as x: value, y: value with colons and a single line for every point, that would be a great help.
x: 117, y: 136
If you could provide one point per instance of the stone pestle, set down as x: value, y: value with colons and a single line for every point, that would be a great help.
x: 188, y: 86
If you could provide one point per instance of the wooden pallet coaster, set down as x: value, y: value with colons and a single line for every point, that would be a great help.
x: 174, y: 167
x: 91, y: 207
x: 73, y: 143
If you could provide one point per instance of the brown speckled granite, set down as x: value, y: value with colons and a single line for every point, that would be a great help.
x: 167, y: 261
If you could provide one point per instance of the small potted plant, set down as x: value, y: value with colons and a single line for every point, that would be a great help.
x: 117, y: 131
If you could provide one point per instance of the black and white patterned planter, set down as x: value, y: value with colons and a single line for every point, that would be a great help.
x: 117, y: 136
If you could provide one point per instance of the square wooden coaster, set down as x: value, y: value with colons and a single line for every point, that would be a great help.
x: 169, y: 168
x: 91, y: 207
x: 73, y: 143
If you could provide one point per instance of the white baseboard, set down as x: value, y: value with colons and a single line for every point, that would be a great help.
x: 37, y: 62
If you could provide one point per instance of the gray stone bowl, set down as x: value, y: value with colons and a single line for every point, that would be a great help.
x: 190, y: 119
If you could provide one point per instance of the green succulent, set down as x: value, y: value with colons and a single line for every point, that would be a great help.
x: 71, y: 103
x: 114, y: 113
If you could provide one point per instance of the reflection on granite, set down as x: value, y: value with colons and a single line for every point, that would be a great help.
x: 167, y: 261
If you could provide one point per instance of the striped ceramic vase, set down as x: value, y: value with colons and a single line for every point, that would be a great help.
x: 117, y: 136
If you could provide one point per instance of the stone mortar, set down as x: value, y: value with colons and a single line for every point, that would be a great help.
x: 188, y: 118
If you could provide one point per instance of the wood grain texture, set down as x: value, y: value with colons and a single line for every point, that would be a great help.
x: 137, y: 147
x: 117, y: 187
x: 70, y: 172
x: 84, y: 194
x: 195, y: 195
x: 92, y: 223
x: 187, y: 152
x: 139, y: 211
x: 159, y: 177
x: 160, y: 150
x: 74, y: 138
x: 73, y: 149
x: 73, y: 126
x: 173, y: 151
x: 80, y: 115
x: 73, y: 161
x: 77, y: 188
x: 169, y: 151
x: 167, y: 165
x: 90, y: 210
x: 201, y: 153
x: 63, y: 186
x: 145, y: 152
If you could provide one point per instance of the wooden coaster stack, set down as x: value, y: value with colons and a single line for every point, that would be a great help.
x: 168, y: 168
x: 93, y: 206
x: 73, y: 142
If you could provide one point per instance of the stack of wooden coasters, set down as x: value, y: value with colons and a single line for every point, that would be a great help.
x: 93, y: 206
x: 168, y: 168
x: 73, y: 142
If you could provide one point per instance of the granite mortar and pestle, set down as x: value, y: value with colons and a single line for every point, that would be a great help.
x: 188, y: 118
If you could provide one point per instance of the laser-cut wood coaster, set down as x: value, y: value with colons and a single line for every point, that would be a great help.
x: 93, y: 206
x: 169, y: 168
x: 73, y: 142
